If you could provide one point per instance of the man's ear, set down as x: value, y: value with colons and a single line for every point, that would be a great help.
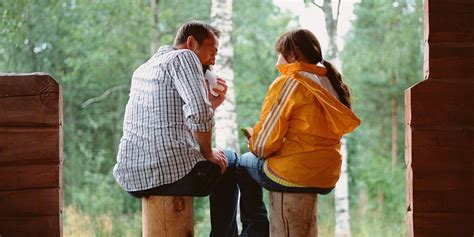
x: 190, y: 42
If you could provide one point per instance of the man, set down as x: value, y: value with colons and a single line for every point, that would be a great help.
x: 168, y: 112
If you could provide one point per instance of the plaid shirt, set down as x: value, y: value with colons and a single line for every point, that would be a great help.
x: 168, y: 100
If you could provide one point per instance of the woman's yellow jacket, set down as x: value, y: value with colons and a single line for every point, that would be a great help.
x: 300, y: 128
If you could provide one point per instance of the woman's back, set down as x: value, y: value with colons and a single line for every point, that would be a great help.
x: 301, y: 126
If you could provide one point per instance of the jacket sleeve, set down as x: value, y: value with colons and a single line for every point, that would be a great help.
x: 270, y: 130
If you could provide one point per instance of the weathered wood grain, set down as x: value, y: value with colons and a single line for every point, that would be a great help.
x: 30, y: 202
x: 30, y: 144
x: 167, y: 216
x: 293, y: 214
x: 34, y: 226
x: 30, y: 100
x: 16, y: 177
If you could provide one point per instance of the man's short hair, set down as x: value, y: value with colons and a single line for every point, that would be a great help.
x: 199, y: 30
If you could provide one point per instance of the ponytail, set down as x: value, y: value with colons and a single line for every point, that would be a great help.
x: 341, y: 89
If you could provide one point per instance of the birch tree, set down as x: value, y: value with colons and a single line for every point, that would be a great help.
x: 341, y: 192
x: 226, y: 117
x: 155, y: 33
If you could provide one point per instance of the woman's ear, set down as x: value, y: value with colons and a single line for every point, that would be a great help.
x: 291, y: 58
x: 296, y: 57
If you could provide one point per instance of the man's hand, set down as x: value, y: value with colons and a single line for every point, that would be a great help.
x: 218, y: 157
x: 217, y: 100
x: 215, y: 156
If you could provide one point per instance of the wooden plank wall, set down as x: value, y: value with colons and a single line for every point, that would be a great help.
x: 30, y: 155
x: 440, y: 125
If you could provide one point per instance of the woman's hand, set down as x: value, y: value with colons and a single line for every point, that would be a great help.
x: 248, y: 134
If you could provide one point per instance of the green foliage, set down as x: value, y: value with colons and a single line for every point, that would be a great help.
x: 261, y: 24
x: 93, y: 46
x: 382, y: 57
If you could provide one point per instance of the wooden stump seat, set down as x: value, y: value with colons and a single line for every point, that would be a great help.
x: 293, y: 214
x: 167, y: 216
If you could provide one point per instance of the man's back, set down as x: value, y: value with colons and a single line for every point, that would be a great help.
x: 167, y: 98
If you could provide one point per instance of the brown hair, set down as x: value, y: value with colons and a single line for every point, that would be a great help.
x: 198, y: 30
x: 303, y: 45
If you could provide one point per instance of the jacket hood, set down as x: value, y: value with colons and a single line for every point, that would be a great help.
x: 341, y: 119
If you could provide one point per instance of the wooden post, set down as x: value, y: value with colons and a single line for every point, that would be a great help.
x: 167, y: 216
x: 440, y: 125
x: 30, y: 155
x: 293, y: 214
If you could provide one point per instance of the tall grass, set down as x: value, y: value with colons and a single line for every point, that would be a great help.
x: 369, y: 218
x: 78, y: 223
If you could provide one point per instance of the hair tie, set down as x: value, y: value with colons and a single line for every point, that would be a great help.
x: 322, y: 61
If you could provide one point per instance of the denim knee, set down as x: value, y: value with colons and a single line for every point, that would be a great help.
x: 232, y: 157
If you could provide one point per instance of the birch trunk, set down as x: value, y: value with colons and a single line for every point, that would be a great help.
x: 341, y: 198
x: 155, y: 34
x: 226, y: 117
x: 393, y: 115
x: 341, y: 192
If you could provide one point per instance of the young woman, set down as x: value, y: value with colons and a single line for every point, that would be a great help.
x: 295, y: 146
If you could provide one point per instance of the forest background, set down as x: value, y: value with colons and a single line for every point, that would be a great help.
x: 92, y: 48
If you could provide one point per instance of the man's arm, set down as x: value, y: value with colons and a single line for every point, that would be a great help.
x: 216, y: 156
x: 198, y: 111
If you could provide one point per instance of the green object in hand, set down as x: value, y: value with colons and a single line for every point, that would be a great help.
x: 245, y: 132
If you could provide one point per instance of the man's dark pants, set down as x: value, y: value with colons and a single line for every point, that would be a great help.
x: 205, y: 179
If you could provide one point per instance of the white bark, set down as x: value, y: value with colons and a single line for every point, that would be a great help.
x: 226, y: 117
x: 155, y: 34
x: 341, y: 192
x: 341, y: 196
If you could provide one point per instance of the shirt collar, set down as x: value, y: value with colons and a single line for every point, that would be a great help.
x: 291, y: 68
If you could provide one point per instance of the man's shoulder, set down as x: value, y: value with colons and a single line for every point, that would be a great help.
x: 170, y: 55
x: 168, y: 50
x: 185, y: 53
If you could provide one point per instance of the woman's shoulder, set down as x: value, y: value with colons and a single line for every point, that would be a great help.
x: 279, y: 82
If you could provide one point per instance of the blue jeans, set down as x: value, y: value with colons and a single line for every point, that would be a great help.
x: 254, y: 167
x: 205, y: 179
x: 251, y: 179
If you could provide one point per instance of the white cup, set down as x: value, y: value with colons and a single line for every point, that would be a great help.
x: 212, y: 79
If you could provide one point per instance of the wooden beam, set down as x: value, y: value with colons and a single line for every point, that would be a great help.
x: 440, y: 125
x: 30, y: 202
x: 30, y: 110
x: 14, y: 85
x: 442, y: 224
x: 440, y: 159
x: 452, y: 137
x: 31, y: 226
x: 30, y: 176
x: 440, y: 104
x: 30, y: 99
x: 454, y: 200
x: 30, y: 144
